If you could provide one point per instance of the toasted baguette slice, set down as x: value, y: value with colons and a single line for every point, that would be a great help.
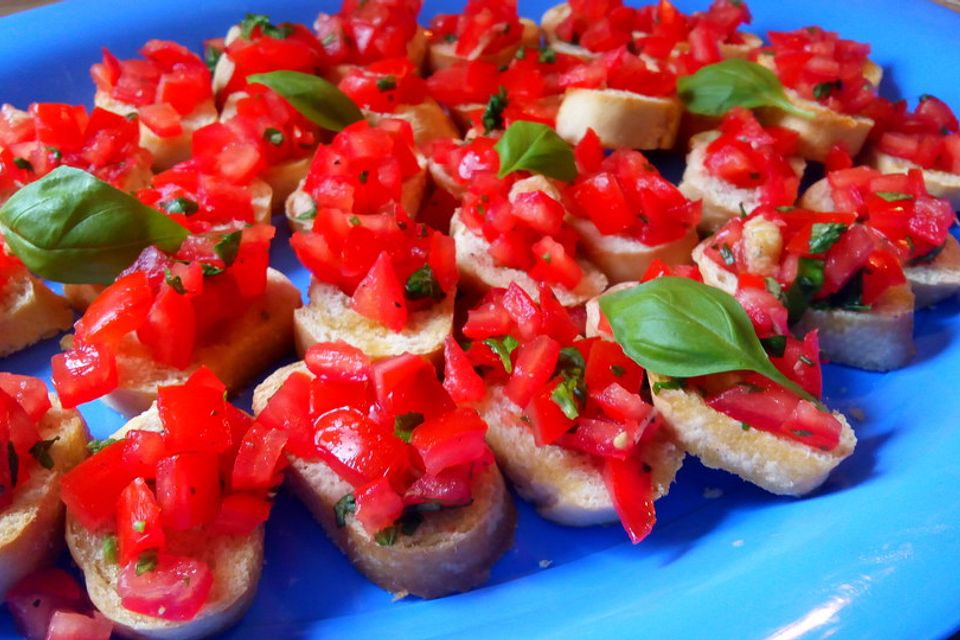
x: 441, y: 55
x: 30, y: 312
x: 621, y: 119
x: 940, y: 184
x: 167, y: 151
x: 235, y: 561
x: 451, y: 551
x: 328, y: 317
x: 564, y: 486
x: 428, y: 120
x: 624, y: 259
x: 776, y: 464
x: 478, y: 271
x: 300, y: 207
x: 721, y: 200
x: 818, y: 134
x: 81, y: 296
x: 932, y: 282
x: 549, y: 22
x: 31, y: 529
x: 247, y: 345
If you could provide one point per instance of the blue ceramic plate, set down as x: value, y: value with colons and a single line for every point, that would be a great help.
x: 874, y: 553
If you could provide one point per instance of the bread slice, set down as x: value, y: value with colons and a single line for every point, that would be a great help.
x: 31, y: 529
x: 300, y: 206
x: 721, y: 200
x: 166, y: 151
x: 329, y: 317
x: 621, y: 119
x: 30, y: 312
x: 773, y: 463
x: 235, y: 561
x: 441, y: 55
x: 549, y: 22
x: 81, y: 296
x: 428, y: 120
x: 931, y: 283
x: 625, y: 259
x: 565, y: 486
x: 451, y: 551
x: 247, y: 345
x: 940, y: 184
x: 478, y: 271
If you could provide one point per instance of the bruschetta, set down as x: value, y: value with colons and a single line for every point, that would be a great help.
x: 580, y: 462
x: 898, y: 206
x: 215, y: 302
x: 42, y: 441
x: 166, y: 519
x: 834, y: 274
x: 830, y: 78
x: 487, y: 30
x: 169, y: 90
x: 627, y: 214
x: 423, y: 510
x: 737, y: 168
x: 35, y: 142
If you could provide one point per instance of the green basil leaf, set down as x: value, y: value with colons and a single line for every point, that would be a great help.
x: 535, y: 147
x: 808, y: 282
x: 41, y: 452
x: 893, y: 196
x: 422, y: 284
x: 147, y: 562
x: 564, y: 395
x: 318, y: 100
x: 387, y: 537
x: 717, y: 88
x: 681, y: 328
x: 254, y: 20
x: 493, y: 115
x: 109, y: 549
x: 228, y: 247
x: 404, y: 424
x: 503, y: 348
x: 344, y: 506
x: 71, y: 227
x: 824, y: 234
x: 96, y: 446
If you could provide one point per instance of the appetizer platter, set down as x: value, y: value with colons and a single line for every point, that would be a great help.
x: 413, y: 319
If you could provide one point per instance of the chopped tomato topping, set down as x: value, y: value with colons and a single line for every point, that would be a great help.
x: 485, y: 27
x: 383, y: 86
x: 176, y: 589
x: 364, y: 32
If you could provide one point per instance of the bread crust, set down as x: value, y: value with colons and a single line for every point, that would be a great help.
x: 564, y: 486
x: 31, y: 529
x: 235, y: 561
x: 621, y: 119
x: 451, y: 551
x: 773, y: 463
x: 329, y: 317
x: 248, y: 345
x: 30, y: 312
x: 479, y: 273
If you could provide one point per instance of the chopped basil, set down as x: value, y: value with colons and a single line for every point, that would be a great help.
x: 254, y: 20
x: 674, y: 383
x: 404, y: 424
x: 273, y: 136
x: 23, y: 163
x: 354, y: 221
x: 387, y: 537
x: 41, y: 452
x: 617, y: 370
x: 174, y: 282
x: 55, y: 153
x: 180, y: 205
x: 211, y: 270
x: 364, y: 176
x: 807, y: 361
x: 547, y: 258
x: 824, y: 89
x: 109, y: 549
x: 492, y: 118
x: 422, y: 285
x: 13, y: 462
x: 801, y: 433
x: 211, y: 56
x: 140, y: 526
x: 147, y: 562
x: 450, y: 37
x: 96, y: 446
x: 387, y: 83
x: 564, y: 395
x: 849, y: 298
x: 807, y: 283
x: 547, y: 55
x: 521, y: 53
x: 823, y: 235
x: 893, y: 196
x: 774, y: 345
x: 745, y: 426
x: 309, y: 214
x: 773, y: 286
x: 743, y: 210
x: 228, y: 247
x: 727, y: 254
x: 503, y: 348
x: 345, y: 505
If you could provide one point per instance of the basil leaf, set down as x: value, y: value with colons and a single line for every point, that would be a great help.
x: 228, y: 247
x: 422, y: 284
x: 344, y: 506
x: 672, y: 383
x: 147, y: 562
x: 681, y: 328
x: 824, y: 234
x: 109, y: 549
x: 493, y: 115
x: 318, y: 100
x: 503, y: 348
x: 808, y: 282
x: 564, y: 395
x: 96, y: 446
x: 71, y: 227
x: 388, y: 536
x: 893, y: 196
x: 41, y: 452
x: 180, y: 205
x: 386, y: 83
x: 535, y: 147
x: 404, y: 424
x: 717, y: 88
x: 775, y: 345
x: 254, y: 20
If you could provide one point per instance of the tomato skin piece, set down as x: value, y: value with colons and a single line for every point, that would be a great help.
x: 193, y: 414
x: 188, y: 490
x: 379, y: 296
x: 524, y: 311
x: 90, y: 490
x: 358, y: 449
x: 175, y: 590
x: 450, y: 440
x: 547, y: 420
x: 241, y: 513
x: 460, y: 379
x: 138, y: 522
x: 338, y: 361
x: 553, y: 264
x: 259, y: 459
x: 450, y: 488
x: 118, y: 310
x: 170, y: 328
x: 764, y: 409
x: 289, y: 410
x: 533, y: 367
x: 408, y: 384
x: 84, y: 373
x: 378, y: 505
x: 621, y: 405
x: 37, y: 597
x: 630, y: 484
x: 142, y: 450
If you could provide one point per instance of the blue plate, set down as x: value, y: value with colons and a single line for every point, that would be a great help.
x: 872, y: 554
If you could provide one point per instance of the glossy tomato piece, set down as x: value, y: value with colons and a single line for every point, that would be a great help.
x: 607, y: 364
x: 452, y: 439
x: 188, y: 490
x: 142, y: 450
x: 534, y: 365
x: 449, y: 488
x: 378, y: 505
x: 556, y: 320
x: 619, y: 404
x: 338, y: 361
x: 83, y: 373
x: 605, y: 438
x: 289, y: 410
x: 358, y: 449
x: 68, y: 625
x: 162, y: 119
x: 554, y: 264
x: 408, y: 384
x: 524, y: 311
x: 193, y: 414
x: 90, y: 490
x: 170, y: 329
x: 138, y: 522
x: 175, y: 590
x: 35, y: 599
x: 547, y: 420
x: 630, y: 484
x: 379, y: 296
x: 460, y: 379
x: 241, y: 513
x: 813, y: 427
x: 118, y: 310
x: 259, y: 460
x: 29, y: 392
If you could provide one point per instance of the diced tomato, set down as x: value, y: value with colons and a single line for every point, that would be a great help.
x: 142, y: 450
x: 118, y: 310
x: 138, y: 522
x: 553, y: 264
x: 602, y: 199
x: 162, y: 119
x: 608, y: 364
x: 289, y: 410
x: 765, y: 409
x: 338, y: 361
x: 881, y: 272
x: 67, y: 625
x: 450, y: 488
x: 175, y: 590
x: 523, y: 310
x: 379, y: 296
x: 90, y: 490
x: 459, y: 377
x: 408, y: 384
x: 259, y: 459
x: 241, y: 513
x: 619, y: 404
x: 630, y: 484
x: 534, y: 365
x: 170, y: 328
x: 35, y: 599
x: 188, y: 490
x: 813, y: 427
x: 29, y: 392
x: 358, y: 449
x: 487, y: 321
x: 378, y: 505
x: 589, y: 152
x: 847, y: 256
x: 548, y: 421
x: 193, y: 414
x: 801, y: 362
x: 452, y: 439
x: 605, y: 438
